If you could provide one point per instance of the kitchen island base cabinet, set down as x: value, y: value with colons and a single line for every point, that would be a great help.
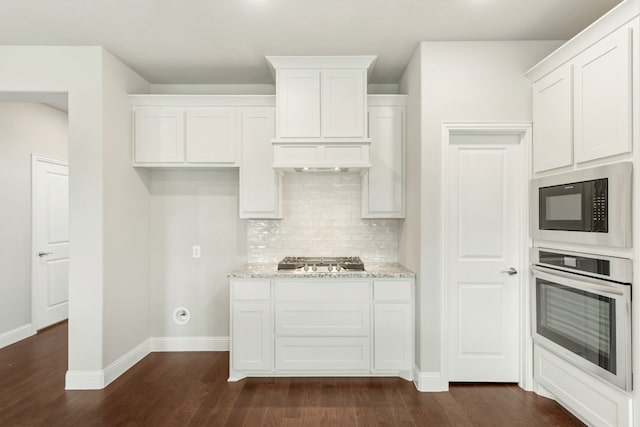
x: 321, y: 327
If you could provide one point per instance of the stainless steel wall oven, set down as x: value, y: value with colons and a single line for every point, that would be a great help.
x: 582, y: 311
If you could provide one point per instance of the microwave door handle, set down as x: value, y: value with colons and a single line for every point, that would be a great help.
x: 582, y: 283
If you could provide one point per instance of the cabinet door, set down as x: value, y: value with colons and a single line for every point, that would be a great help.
x: 392, y: 340
x: 158, y: 135
x: 553, y: 120
x: 298, y: 101
x: 211, y: 135
x: 259, y: 182
x: 343, y: 103
x: 322, y: 354
x: 383, y: 183
x: 603, y: 98
x: 323, y: 319
x: 252, y: 338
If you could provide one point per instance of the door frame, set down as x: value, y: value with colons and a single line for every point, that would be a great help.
x: 523, y: 129
x: 35, y: 158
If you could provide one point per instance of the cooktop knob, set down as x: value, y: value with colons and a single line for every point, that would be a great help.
x: 306, y: 267
x: 314, y: 267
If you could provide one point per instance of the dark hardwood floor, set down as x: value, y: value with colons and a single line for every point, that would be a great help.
x: 179, y: 389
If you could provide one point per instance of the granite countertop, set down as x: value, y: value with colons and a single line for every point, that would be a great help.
x: 269, y: 270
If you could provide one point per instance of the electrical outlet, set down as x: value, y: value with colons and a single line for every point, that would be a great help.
x: 195, y: 250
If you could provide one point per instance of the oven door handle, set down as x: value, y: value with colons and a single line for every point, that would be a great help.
x: 602, y: 287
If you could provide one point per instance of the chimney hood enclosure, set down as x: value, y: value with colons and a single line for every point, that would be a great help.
x: 321, y: 112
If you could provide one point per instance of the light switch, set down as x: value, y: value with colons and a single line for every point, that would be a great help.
x: 195, y: 251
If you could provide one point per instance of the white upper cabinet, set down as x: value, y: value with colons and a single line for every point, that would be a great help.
x: 383, y: 185
x: 259, y: 182
x: 190, y: 130
x: 167, y: 136
x: 298, y: 94
x: 158, y: 135
x: 603, y: 98
x: 584, y: 94
x: 321, y: 98
x: 211, y: 135
x: 553, y: 120
x: 343, y: 103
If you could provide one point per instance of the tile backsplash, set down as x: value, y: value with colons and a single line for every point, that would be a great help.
x: 322, y: 217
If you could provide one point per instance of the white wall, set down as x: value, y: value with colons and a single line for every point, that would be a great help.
x: 189, y: 208
x: 460, y: 82
x: 322, y: 217
x: 126, y: 217
x: 77, y: 71
x: 81, y: 72
x: 25, y: 129
x: 409, y: 234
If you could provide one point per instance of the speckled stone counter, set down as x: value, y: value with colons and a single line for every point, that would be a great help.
x: 387, y: 270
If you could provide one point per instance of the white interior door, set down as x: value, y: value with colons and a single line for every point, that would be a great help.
x: 483, y: 243
x: 50, y: 241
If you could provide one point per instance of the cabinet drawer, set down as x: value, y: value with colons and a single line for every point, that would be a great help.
x: 251, y: 290
x: 322, y: 354
x: 299, y: 319
x: 396, y: 290
x: 322, y: 290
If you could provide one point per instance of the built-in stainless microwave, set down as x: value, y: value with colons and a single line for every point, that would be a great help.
x: 589, y: 206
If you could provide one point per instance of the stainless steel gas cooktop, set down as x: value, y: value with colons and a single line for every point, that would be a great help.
x: 321, y: 264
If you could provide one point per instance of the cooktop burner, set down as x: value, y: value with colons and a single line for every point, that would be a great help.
x: 321, y: 264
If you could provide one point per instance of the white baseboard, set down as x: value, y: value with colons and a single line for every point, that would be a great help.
x: 17, y: 334
x: 96, y: 380
x: 189, y: 343
x: 429, y: 381
x: 84, y: 380
x: 120, y: 366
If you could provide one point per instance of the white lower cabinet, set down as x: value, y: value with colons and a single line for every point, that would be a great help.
x: 319, y: 327
x: 252, y: 349
x: 251, y: 327
x: 323, y: 354
x: 329, y: 319
x: 393, y: 325
x: 392, y: 338
x: 590, y: 399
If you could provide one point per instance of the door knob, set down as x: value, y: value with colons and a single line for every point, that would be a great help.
x: 41, y: 254
x: 511, y: 271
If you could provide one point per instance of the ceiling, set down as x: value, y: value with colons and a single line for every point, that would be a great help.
x: 225, y: 41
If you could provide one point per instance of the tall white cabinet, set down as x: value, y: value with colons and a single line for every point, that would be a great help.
x: 260, y: 184
x: 586, y: 100
x: 383, y: 185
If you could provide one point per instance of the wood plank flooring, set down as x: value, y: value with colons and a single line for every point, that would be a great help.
x: 191, y: 389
